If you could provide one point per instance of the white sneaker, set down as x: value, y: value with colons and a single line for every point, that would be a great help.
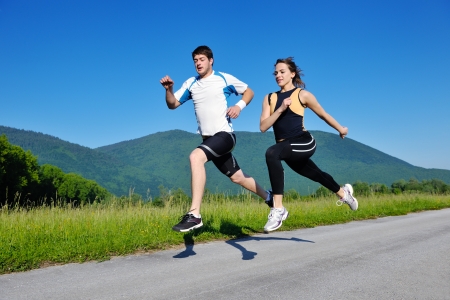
x: 276, y: 218
x: 348, y: 197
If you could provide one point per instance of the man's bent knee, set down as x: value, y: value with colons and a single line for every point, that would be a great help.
x: 197, y: 157
x: 238, y: 177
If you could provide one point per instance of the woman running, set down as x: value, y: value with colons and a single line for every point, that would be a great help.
x: 284, y: 111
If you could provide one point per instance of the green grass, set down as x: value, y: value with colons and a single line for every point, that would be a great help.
x: 51, y: 235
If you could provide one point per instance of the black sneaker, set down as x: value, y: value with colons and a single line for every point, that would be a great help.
x: 270, y: 201
x: 188, y: 222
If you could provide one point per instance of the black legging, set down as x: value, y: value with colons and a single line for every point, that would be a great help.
x: 296, y: 152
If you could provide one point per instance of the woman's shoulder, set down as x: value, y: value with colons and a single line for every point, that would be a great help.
x: 271, y: 95
x: 304, y: 94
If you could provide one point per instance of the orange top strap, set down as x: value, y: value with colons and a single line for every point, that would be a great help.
x: 297, y: 106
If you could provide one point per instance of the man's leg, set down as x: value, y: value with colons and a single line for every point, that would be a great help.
x: 192, y: 219
x: 248, y: 183
x: 198, y: 179
x: 218, y: 149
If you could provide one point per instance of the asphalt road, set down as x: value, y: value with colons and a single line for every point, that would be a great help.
x: 405, y: 257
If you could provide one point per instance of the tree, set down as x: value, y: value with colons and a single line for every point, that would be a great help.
x: 19, y: 173
x: 398, y: 186
x: 323, y: 192
x: 22, y: 181
x: 76, y: 188
x: 413, y: 185
x: 51, y: 178
x: 439, y: 186
x: 361, y: 188
x: 379, y: 188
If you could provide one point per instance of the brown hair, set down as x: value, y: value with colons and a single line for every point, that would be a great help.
x: 205, y: 50
x: 297, y: 81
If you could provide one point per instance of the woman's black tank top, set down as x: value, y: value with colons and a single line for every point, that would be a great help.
x: 290, y: 123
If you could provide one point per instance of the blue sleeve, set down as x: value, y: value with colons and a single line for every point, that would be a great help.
x: 183, y: 94
x: 234, y: 85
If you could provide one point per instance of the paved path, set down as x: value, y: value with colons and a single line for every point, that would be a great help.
x: 405, y: 257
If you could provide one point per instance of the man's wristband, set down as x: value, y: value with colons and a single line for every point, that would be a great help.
x: 241, y: 103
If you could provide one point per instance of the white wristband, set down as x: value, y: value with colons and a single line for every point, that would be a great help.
x: 241, y: 103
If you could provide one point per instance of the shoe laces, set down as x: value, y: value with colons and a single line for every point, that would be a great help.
x: 346, y: 199
x: 275, y: 213
x: 186, y: 216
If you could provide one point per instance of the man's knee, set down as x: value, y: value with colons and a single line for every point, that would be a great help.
x: 197, y: 157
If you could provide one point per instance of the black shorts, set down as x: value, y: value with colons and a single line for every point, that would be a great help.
x: 218, y: 150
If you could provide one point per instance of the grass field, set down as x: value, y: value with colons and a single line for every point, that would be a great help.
x: 32, y: 238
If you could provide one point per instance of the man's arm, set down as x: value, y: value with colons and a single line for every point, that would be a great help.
x: 171, y: 101
x: 235, y: 110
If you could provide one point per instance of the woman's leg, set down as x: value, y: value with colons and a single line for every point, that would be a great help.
x: 310, y: 170
x: 302, y: 148
x: 274, y: 155
x: 301, y: 163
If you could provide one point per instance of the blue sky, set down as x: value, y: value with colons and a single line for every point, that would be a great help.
x: 88, y: 71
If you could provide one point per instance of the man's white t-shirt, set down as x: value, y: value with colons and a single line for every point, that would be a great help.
x: 210, y: 96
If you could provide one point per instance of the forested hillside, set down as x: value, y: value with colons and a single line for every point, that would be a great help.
x: 23, y: 182
x: 162, y: 159
x: 107, y: 170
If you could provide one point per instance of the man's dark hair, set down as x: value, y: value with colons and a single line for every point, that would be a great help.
x: 205, y: 50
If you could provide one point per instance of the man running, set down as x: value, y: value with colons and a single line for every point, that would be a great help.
x: 209, y: 92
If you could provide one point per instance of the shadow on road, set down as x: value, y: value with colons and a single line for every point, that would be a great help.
x: 248, y: 255
x: 189, y: 243
x: 231, y: 230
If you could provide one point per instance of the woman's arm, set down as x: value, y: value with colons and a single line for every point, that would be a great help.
x: 267, y: 120
x: 311, y: 102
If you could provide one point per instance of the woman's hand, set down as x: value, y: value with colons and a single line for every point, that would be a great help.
x: 343, y: 132
x: 286, y: 103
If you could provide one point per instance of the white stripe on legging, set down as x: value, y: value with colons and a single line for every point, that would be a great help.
x: 304, y: 150
x: 302, y: 144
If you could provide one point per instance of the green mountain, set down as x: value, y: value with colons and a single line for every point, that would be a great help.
x: 163, y: 159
